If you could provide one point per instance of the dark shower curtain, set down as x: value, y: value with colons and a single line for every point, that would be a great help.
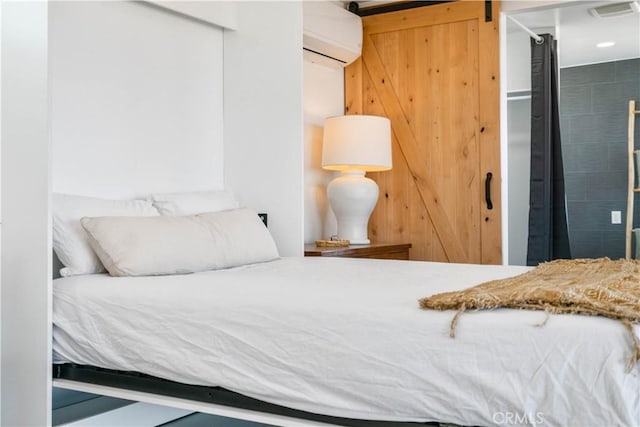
x: 548, y: 230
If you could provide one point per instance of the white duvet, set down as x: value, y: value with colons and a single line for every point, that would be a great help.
x: 345, y: 337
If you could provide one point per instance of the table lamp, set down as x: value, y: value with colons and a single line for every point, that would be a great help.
x: 354, y: 145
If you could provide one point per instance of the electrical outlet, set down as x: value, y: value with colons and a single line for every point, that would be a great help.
x: 263, y: 218
x: 616, y: 217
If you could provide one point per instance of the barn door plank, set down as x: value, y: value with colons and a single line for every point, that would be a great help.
x: 411, y: 152
x: 489, y: 90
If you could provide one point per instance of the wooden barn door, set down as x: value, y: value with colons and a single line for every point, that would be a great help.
x: 433, y: 71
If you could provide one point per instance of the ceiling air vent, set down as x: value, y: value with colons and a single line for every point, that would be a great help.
x: 616, y: 9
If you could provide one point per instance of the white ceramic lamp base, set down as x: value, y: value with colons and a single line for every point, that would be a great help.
x: 352, y: 197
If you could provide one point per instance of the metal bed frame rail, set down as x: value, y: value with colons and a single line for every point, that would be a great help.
x: 138, y: 382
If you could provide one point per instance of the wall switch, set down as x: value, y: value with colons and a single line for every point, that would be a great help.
x: 616, y: 217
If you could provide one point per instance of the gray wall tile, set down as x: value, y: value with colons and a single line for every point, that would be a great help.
x: 575, y: 186
x: 586, y: 244
x: 606, y: 186
x: 611, y: 246
x: 586, y: 158
x: 628, y: 70
x: 596, y: 73
x: 618, y: 157
x: 596, y: 128
x: 593, y: 215
x: 575, y: 100
x: 206, y: 420
x: 593, y: 116
x: 611, y: 97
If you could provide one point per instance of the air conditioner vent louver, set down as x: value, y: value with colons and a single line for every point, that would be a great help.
x: 616, y: 9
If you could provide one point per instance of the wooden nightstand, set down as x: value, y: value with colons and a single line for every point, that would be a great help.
x: 373, y: 250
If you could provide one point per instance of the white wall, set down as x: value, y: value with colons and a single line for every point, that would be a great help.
x: 323, y: 97
x: 518, y: 61
x: 26, y: 231
x: 263, y: 116
x: 518, y: 129
x: 220, y: 13
x: 519, y: 135
x: 136, y: 100
x: 521, y: 5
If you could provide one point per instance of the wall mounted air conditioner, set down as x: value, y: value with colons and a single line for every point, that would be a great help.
x: 332, y: 35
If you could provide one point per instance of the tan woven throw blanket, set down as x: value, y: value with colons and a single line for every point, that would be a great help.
x: 582, y: 286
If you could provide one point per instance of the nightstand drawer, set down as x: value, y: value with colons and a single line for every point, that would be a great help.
x: 375, y: 250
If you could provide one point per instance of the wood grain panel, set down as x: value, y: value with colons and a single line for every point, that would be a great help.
x: 353, y: 87
x: 374, y: 250
x: 489, y: 90
x: 378, y: 223
x: 426, y: 69
x: 411, y: 152
x: 424, y: 16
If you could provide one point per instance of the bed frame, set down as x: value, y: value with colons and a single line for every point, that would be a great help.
x: 212, y: 400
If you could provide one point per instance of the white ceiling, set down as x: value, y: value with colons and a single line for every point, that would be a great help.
x: 578, y: 32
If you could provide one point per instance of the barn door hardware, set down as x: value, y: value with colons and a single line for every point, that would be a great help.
x: 487, y: 190
x: 354, y: 7
x: 488, y: 17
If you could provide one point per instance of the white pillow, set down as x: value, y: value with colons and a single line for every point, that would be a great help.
x: 194, y: 203
x: 130, y: 246
x: 70, y: 240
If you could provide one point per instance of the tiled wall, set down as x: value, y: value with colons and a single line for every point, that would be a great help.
x: 594, y: 119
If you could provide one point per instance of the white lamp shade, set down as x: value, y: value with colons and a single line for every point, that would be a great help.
x: 357, y: 142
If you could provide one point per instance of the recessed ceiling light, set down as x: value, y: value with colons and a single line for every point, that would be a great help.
x: 605, y: 44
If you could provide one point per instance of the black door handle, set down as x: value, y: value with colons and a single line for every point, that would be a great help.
x: 487, y: 190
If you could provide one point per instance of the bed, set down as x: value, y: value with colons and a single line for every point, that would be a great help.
x: 346, y: 338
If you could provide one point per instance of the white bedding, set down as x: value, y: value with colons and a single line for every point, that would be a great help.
x: 345, y: 337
